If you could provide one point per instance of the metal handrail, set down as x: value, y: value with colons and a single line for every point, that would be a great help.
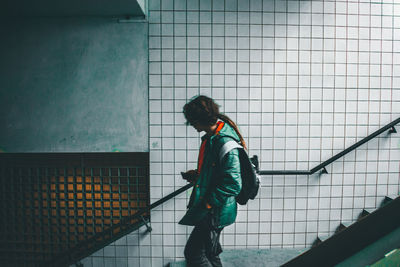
x: 68, y: 255
x: 297, y: 172
x: 337, y: 156
x: 322, y: 166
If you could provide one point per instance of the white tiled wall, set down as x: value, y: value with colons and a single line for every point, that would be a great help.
x: 303, y: 80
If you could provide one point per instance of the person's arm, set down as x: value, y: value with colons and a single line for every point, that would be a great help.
x: 228, y: 180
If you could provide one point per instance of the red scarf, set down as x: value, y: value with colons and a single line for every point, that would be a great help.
x: 220, y: 124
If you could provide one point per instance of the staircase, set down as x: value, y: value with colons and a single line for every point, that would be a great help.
x: 374, y: 234
x: 366, y: 241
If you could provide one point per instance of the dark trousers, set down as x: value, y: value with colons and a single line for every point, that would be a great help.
x: 203, y: 248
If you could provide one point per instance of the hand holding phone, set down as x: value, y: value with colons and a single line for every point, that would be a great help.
x: 190, y: 176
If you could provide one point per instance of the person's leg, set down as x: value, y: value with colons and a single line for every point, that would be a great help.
x: 215, y: 247
x: 195, y: 253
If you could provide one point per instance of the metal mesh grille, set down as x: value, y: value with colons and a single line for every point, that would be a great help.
x: 47, y: 210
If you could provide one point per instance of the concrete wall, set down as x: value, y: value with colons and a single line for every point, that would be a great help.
x: 73, y: 85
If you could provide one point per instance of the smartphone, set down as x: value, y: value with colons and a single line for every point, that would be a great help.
x: 185, y: 176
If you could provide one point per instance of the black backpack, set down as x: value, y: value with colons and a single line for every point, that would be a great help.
x: 248, y: 169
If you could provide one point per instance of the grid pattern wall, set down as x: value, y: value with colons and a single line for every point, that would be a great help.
x: 49, y: 208
x: 303, y: 80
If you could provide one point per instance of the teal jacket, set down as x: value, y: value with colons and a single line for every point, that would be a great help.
x: 218, y: 182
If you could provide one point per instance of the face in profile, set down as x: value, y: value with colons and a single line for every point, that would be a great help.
x: 199, y: 127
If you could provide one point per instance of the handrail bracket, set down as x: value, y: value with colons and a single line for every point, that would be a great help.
x: 392, y: 130
x: 148, y: 227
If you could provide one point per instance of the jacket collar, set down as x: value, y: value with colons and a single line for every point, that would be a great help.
x: 220, y: 125
x: 226, y: 131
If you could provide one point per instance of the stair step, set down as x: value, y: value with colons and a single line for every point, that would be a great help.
x: 388, y: 199
x: 322, y: 238
x: 342, y: 226
x: 346, y: 224
x: 367, y: 240
x: 364, y: 213
x: 253, y: 257
x: 391, y: 259
x: 319, y: 240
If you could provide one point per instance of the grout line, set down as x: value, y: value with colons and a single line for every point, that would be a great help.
x: 337, y: 88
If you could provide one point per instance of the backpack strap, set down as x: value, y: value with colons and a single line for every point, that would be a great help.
x: 228, y: 146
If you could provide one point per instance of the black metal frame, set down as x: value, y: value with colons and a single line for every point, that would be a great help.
x: 58, y: 203
x: 108, y: 236
x: 125, y: 224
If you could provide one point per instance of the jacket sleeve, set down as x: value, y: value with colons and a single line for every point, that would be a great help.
x: 228, y: 179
